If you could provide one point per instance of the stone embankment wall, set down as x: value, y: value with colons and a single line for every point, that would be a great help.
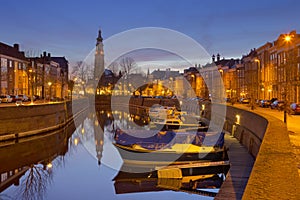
x: 274, y: 174
x: 26, y: 120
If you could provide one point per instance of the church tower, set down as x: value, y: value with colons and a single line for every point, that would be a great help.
x: 99, y: 58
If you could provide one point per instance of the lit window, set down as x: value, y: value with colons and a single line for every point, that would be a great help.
x: 3, y: 62
x: 3, y: 177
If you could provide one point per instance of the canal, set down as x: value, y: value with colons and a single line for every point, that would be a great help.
x: 80, y: 162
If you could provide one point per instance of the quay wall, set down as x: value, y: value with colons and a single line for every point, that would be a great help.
x: 275, y: 173
x: 27, y: 120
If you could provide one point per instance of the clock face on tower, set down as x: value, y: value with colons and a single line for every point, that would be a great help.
x: 101, y: 52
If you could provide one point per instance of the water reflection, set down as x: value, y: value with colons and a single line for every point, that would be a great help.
x: 28, y: 162
x: 27, y: 166
x: 188, y: 179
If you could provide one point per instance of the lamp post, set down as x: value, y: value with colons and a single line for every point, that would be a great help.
x: 258, y: 75
x: 253, y: 90
x: 269, y: 91
x: 288, y: 40
x: 50, y: 83
x: 31, y: 83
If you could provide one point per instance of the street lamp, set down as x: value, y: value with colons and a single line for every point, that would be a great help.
x: 31, y: 83
x: 49, y: 83
x: 288, y: 40
x: 269, y: 90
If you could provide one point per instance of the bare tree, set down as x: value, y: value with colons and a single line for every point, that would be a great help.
x: 114, y: 67
x: 127, y: 65
x: 82, y: 71
x: 79, y: 71
x: 34, y: 186
x: 71, y: 86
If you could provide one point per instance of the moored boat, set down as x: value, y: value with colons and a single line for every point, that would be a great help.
x: 170, y: 147
x: 175, y: 123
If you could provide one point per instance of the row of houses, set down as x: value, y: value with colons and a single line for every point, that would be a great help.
x: 44, y: 76
x: 269, y: 71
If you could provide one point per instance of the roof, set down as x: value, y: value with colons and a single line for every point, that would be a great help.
x: 162, y: 74
x: 230, y: 63
x: 63, y: 62
x: 12, y: 51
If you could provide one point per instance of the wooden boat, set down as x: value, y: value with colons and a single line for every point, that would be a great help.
x: 170, y: 147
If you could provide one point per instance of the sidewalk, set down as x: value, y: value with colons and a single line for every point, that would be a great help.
x: 293, y: 125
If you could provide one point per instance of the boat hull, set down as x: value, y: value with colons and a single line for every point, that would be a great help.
x: 159, y: 157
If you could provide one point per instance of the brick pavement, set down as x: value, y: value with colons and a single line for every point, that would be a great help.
x: 275, y: 175
x: 293, y: 125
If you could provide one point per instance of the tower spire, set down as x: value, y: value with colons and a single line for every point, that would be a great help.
x: 99, y: 38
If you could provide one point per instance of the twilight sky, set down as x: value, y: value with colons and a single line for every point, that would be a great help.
x: 69, y: 28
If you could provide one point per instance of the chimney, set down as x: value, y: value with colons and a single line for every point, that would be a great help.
x: 44, y: 54
x: 218, y: 57
x: 213, y: 58
x: 49, y: 55
x: 16, y: 46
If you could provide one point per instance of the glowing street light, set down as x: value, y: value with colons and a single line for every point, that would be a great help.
x: 31, y: 82
x: 50, y: 83
x: 288, y: 40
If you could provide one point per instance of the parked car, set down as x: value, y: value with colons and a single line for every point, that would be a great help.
x: 245, y: 100
x: 36, y: 97
x: 265, y: 103
x: 295, y: 107
x: 15, y: 98
x: 23, y: 97
x: 227, y: 99
x: 6, y: 98
x: 279, y: 105
x: 257, y: 101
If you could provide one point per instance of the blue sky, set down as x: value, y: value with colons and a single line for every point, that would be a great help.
x: 69, y: 28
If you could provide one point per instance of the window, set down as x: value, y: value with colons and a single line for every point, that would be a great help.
x: 20, y: 66
x: 10, y: 63
x: 3, y: 176
x: 3, y: 62
x: 3, y: 73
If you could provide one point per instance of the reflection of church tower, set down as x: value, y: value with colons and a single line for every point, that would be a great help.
x: 99, y: 139
x: 99, y: 58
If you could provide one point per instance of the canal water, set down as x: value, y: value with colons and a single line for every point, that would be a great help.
x: 79, y: 162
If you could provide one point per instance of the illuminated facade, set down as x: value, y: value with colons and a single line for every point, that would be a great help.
x: 48, y: 76
x: 14, y: 70
x: 275, y: 69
